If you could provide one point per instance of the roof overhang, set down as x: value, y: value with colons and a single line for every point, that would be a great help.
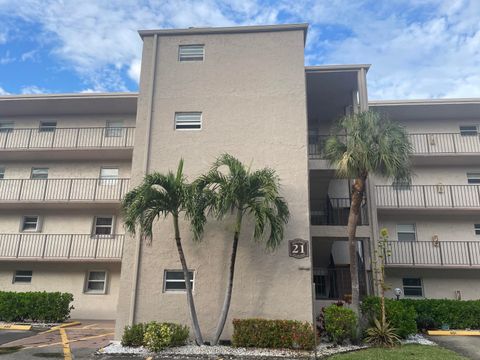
x: 337, y: 68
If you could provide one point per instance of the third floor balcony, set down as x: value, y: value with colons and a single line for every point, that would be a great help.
x: 75, y: 143
x: 438, y: 196
x: 72, y: 190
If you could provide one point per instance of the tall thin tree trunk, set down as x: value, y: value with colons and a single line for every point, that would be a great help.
x: 353, y: 217
x: 188, y: 285
x: 231, y: 271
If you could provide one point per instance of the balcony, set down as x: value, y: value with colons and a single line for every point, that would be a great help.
x: 59, y: 247
x: 428, y: 196
x: 63, y: 190
x: 335, y: 211
x: 19, y: 144
x: 423, y: 144
x: 434, y: 253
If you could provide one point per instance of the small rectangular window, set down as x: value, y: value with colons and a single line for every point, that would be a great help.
x: 2, y: 172
x: 412, y: 287
x: 103, y: 225
x: 191, y: 52
x: 23, y: 276
x: 6, y: 126
x: 477, y: 229
x: 406, y: 232
x: 30, y: 223
x: 188, y: 121
x: 108, y: 176
x: 96, y: 282
x: 173, y: 280
x: 114, y: 129
x: 402, y: 184
x: 468, y: 130
x: 47, y: 126
x: 473, y: 178
x: 39, y: 173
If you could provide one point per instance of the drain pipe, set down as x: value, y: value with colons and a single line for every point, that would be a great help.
x: 146, y: 165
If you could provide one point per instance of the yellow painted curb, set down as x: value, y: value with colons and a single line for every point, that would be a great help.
x: 58, y: 327
x: 454, y: 332
x: 15, y: 327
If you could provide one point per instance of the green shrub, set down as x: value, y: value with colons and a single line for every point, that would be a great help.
x: 35, y: 306
x: 382, y: 335
x: 133, y: 335
x: 158, y: 336
x: 278, y: 334
x: 340, y: 323
x: 401, y: 316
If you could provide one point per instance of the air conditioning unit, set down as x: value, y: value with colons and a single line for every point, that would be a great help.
x: 435, y: 241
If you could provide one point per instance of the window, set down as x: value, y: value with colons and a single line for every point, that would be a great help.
x: 47, y: 126
x: 477, y: 229
x: 406, y: 232
x: 6, y: 126
x: 412, y: 287
x: 191, y: 52
x: 22, y: 276
x: 30, y: 223
x: 39, y: 173
x: 114, y: 129
x: 188, y: 121
x: 2, y: 172
x: 473, y: 178
x: 108, y: 176
x: 173, y: 280
x: 96, y: 282
x: 402, y: 184
x: 468, y: 130
x: 103, y: 225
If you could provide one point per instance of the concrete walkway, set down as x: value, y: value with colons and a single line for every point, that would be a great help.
x: 468, y: 346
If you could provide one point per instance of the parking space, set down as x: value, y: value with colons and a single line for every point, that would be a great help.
x: 468, y: 346
x: 71, y: 342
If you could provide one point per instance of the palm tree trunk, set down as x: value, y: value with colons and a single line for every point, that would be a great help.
x: 228, y: 293
x: 353, y: 217
x: 188, y: 286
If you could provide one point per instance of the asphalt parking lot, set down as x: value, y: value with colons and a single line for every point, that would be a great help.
x: 75, y: 342
x: 468, y: 346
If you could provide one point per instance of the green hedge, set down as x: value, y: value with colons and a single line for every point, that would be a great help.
x: 401, y: 315
x: 155, y: 336
x: 279, y: 334
x: 458, y: 314
x: 340, y: 323
x: 35, y: 306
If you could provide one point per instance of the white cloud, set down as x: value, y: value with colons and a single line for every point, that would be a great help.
x: 33, y: 89
x: 7, y: 58
x: 418, y: 48
x: 29, y: 55
x: 3, y: 91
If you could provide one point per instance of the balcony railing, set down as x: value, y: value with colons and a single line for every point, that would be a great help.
x: 61, y: 246
x: 428, y: 196
x: 335, y: 211
x: 434, y: 253
x: 423, y: 144
x: 67, y: 138
x: 63, y: 189
x: 335, y: 283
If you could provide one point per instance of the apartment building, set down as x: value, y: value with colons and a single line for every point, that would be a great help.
x: 66, y: 161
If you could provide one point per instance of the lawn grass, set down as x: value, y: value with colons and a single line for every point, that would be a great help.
x: 417, y: 352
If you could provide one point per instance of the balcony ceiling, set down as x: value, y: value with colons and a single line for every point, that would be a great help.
x: 69, y: 104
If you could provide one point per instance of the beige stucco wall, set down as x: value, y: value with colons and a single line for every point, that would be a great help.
x: 439, y: 283
x: 251, y: 90
x: 67, y: 277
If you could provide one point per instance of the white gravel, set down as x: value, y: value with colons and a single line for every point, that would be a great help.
x: 418, y: 339
x: 115, y: 348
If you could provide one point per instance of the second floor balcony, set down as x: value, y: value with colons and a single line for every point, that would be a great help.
x: 60, y: 247
x: 335, y: 211
x: 438, y: 196
x: 434, y: 253
x: 63, y: 190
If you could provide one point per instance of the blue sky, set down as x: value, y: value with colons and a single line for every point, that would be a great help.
x: 417, y: 48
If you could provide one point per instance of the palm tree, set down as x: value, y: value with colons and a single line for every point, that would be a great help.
x: 362, y: 145
x: 157, y: 197
x: 241, y: 192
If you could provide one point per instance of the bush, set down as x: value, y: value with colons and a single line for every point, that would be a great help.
x: 401, y: 316
x: 133, y: 335
x: 35, y: 306
x: 340, y: 323
x: 459, y: 314
x: 278, y: 334
x: 382, y: 335
x: 158, y: 336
